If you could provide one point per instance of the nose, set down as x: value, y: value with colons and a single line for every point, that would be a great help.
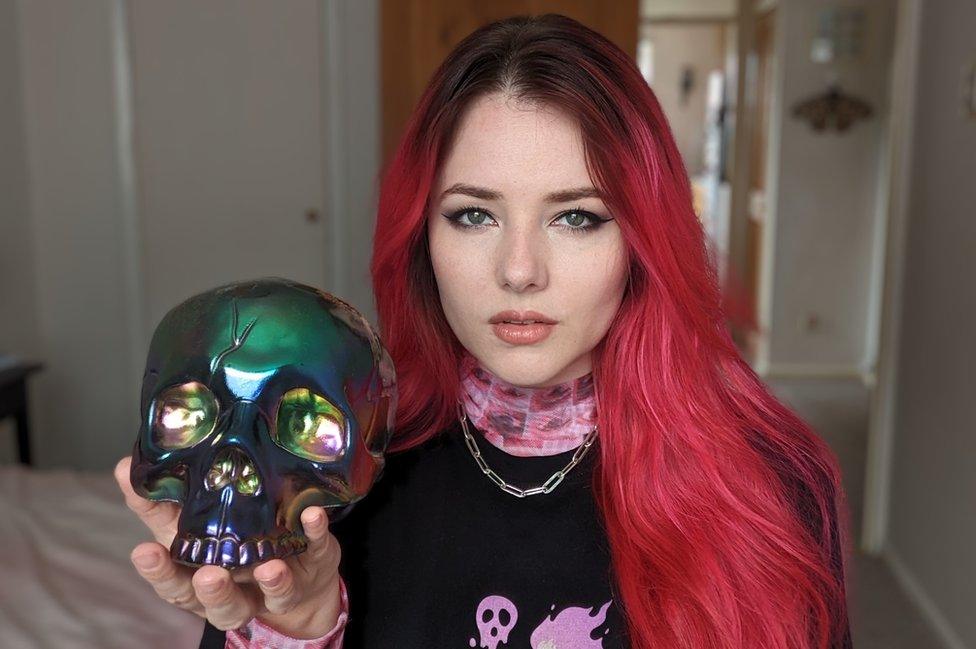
x: 522, y: 260
x: 233, y: 467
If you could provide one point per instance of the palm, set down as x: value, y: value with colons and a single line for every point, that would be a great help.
x: 305, y: 597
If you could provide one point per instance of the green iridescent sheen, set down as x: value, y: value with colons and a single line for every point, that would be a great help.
x: 303, y: 401
x: 248, y: 485
x: 183, y: 415
x: 248, y: 340
x: 167, y: 488
x: 310, y: 426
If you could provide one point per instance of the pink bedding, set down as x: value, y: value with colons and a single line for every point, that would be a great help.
x: 65, y: 575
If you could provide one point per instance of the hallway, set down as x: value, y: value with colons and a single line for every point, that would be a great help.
x: 882, y: 615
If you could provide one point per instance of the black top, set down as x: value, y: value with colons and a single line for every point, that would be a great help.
x: 437, y: 555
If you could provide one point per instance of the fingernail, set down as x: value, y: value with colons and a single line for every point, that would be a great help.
x: 316, y: 519
x: 147, y: 561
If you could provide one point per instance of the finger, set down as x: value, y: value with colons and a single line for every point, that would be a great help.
x: 281, y: 590
x: 171, y: 581
x: 160, y: 517
x: 227, y: 605
x: 323, y: 550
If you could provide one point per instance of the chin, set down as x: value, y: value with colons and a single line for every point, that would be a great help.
x: 524, y: 367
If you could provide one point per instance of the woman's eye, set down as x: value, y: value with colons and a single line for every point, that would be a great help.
x: 577, y: 220
x: 477, y: 217
x: 469, y: 217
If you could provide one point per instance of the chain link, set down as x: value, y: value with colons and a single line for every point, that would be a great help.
x: 545, y: 487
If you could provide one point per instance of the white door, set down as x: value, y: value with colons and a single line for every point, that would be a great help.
x: 228, y: 139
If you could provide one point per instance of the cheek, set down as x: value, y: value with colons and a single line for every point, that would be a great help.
x: 595, y: 288
x: 456, y: 269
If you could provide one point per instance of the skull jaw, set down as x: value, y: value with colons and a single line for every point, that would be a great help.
x: 201, y: 550
x: 204, y: 550
x: 226, y: 528
x: 238, y: 532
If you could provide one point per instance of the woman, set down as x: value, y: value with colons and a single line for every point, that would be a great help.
x: 582, y: 458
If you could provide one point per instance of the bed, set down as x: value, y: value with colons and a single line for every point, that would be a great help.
x: 65, y: 575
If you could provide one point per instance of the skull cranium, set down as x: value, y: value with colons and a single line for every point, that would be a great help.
x: 259, y: 399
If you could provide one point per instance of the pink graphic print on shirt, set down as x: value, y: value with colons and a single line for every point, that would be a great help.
x: 569, y: 629
x: 496, y: 617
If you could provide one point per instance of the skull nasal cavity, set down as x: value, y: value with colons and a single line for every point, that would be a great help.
x: 232, y: 466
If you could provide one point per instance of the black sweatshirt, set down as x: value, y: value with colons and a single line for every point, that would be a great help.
x: 437, y: 555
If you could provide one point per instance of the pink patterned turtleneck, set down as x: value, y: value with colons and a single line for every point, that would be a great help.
x: 527, y: 421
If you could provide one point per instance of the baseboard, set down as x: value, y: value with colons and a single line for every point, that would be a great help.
x: 814, y: 370
x: 922, y: 601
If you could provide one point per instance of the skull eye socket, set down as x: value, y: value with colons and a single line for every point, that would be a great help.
x: 310, y: 426
x: 183, y: 415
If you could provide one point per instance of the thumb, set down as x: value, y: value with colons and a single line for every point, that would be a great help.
x: 161, y: 517
x: 323, y: 549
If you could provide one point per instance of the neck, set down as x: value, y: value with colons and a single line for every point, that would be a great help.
x: 527, y: 421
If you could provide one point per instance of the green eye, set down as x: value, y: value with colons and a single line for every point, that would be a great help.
x: 310, y: 426
x: 183, y: 415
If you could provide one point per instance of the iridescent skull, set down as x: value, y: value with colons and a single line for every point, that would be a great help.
x: 259, y: 399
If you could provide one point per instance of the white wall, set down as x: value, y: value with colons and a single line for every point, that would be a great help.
x: 18, y: 320
x: 83, y: 399
x: 66, y: 249
x: 932, y: 526
x: 354, y: 115
x: 700, y: 47
x: 824, y: 210
x: 664, y: 9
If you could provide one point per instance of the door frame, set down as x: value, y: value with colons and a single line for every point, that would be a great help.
x: 890, y: 267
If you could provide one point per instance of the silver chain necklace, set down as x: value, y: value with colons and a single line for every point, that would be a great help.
x: 545, y: 487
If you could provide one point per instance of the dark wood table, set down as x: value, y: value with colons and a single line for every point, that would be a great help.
x: 13, y: 403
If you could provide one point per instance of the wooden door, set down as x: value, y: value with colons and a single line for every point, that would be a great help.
x: 416, y: 35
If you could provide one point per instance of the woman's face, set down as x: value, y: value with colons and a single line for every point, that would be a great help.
x: 516, y: 224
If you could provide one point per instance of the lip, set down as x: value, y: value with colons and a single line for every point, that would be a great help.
x: 522, y: 334
x: 521, y: 316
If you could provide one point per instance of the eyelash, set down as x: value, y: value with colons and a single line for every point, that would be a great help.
x: 455, y: 219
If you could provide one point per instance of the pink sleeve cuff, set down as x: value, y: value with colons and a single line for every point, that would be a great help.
x: 258, y: 635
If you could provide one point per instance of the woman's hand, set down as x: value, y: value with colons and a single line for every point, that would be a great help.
x: 297, y: 596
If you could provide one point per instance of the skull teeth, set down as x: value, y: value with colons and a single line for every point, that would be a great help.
x: 228, y: 552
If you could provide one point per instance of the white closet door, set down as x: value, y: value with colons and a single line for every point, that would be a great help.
x: 227, y: 109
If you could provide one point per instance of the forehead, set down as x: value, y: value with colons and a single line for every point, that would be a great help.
x: 501, y: 142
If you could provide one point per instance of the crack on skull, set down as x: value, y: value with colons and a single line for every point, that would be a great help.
x: 243, y: 506
x: 236, y: 341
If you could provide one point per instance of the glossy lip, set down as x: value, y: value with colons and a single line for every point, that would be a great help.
x: 520, y: 316
x: 522, y: 334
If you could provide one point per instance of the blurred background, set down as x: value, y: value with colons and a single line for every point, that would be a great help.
x: 152, y: 150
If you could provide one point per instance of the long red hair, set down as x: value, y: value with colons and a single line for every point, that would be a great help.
x: 723, y: 509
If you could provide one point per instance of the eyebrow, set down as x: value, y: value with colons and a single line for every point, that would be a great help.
x: 485, y: 194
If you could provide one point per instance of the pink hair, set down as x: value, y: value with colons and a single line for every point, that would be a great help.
x: 723, y: 509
